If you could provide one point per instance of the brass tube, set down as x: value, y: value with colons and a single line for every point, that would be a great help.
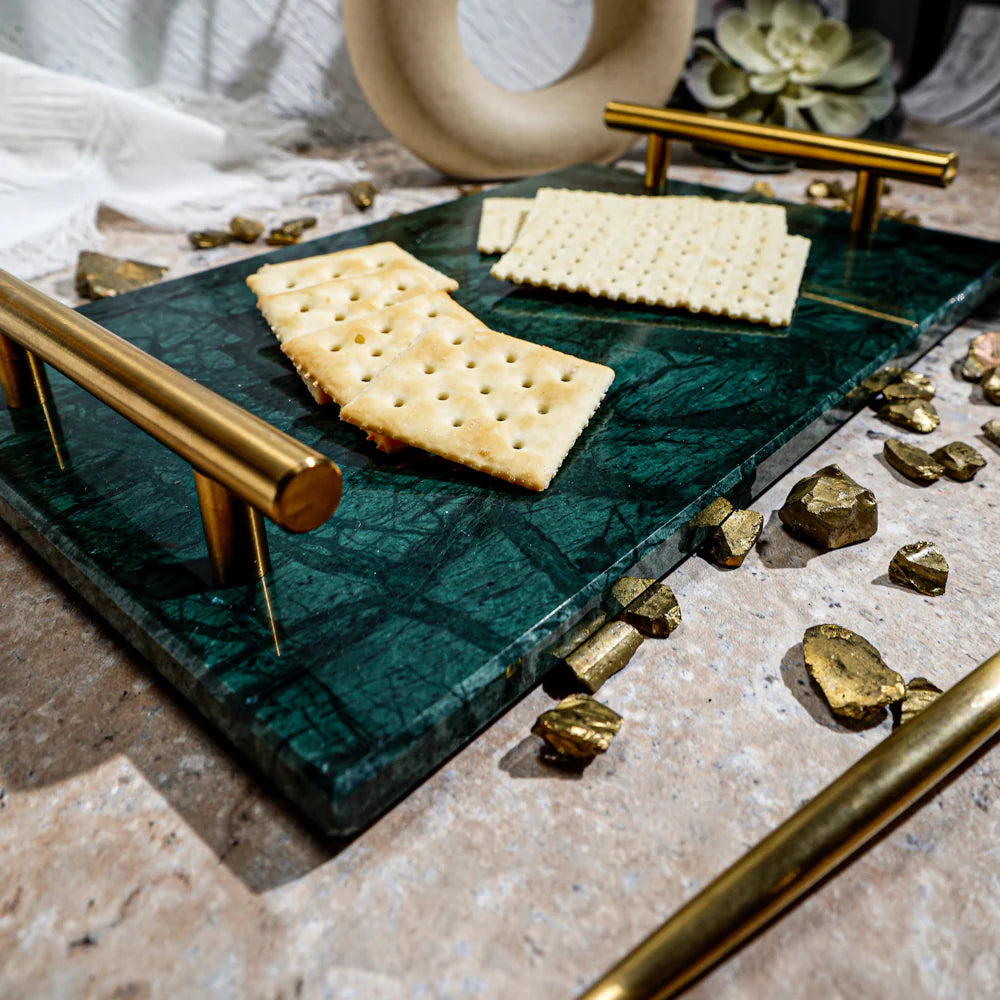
x: 292, y: 484
x: 22, y: 379
x: 867, y: 195
x: 657, y: 157
x: 234, y: 534
x: 806, y: 847
x: 922, y: 166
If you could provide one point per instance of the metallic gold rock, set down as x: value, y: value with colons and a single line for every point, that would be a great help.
x: 99, y: 276
x: 604, y: 654
x: 245, y: 230
x: 300, y: 225
x: 877, y: 381
x: 920, y: 693
x: 628, y: 588
x: 921, y: 382
x: 983, y: 354
x: 762, y: 188
x: 290, y: 231
x: 732, y: 541
x: 913, y: 462
x: 831, y: 509
x: 578, y: 728
x: 960, y: 460
x: 920, y: 386
x: 991, y: 385
x: 850, y: 671
x: 991, y: 430
x: 818, y: 189
x: 655, y: 612
x: 915, y: 415
x: 581, y: 631
x: 837, y: 190
x: 920, y: 567
x: 700, y: 528
x: 901, y: 392
x: 208, y: 239
x: 363, y: 194
x: 282, y: 238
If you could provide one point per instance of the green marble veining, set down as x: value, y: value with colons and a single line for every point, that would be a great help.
x: 421, y: 609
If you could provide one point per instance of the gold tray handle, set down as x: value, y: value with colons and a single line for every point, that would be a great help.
x: 825, y: 832
x: 874, y: 161
x: 244, y: 468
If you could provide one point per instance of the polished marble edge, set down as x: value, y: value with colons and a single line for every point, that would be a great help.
x: 506, y: 676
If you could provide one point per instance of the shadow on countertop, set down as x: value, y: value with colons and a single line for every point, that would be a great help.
x: 92, y: 698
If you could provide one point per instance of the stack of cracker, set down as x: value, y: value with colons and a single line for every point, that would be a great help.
x: 374, y: 330
x: 727, y: 258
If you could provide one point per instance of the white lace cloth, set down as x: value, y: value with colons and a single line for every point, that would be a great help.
x: 169, y: 160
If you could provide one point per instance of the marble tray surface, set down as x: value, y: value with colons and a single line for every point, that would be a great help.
x: 142, y: 859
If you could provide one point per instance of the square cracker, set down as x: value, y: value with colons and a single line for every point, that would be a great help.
x: 500, y: 220
x: 753, y: 279
x: 341, y: 360
x: 306, y: 310
x: 671, y: 251
x: 495, y: 403
x: 273, y: 279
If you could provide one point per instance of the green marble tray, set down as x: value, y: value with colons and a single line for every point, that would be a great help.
x: 385, y: 640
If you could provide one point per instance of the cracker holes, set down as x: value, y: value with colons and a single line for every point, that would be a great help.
x: 366, y: 378
x: 543, y: 409
x: 470, y: 363
x: 527, y: 384
x: 290, y: 284
x: 303, y: 308
x: 485, y: 390
x: 354, y: 296
x: 339, y: 318
x: 429, y: 369
x: 501, y: 417
x: 334, y: 348
x: 376, y: 352
x: 402, y: 287
x: 457, y: 422
x: 567, y: 377
x: 399, y: 402
x: 443, y: 396
x: 386, y: 329
x: 517, y: 445
x: 457, y: 341
x: 511, y: 358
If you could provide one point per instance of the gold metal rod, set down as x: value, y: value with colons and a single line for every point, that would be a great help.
x: 234, y: 534
x: 922, y: 166
x: 867, y: 195
x: 23, y: 384
x: 292, y: 484
x: 657, y: 158
x: 809, y: 845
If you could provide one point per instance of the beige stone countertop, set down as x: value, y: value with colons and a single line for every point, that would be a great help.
x: 140, y: 858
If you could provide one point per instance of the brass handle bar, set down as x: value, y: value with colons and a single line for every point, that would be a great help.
x: 292, y: 484
x: 810, y: 844
x: 873, y: 160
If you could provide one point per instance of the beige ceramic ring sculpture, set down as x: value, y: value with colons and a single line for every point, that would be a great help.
x: 412, y: 67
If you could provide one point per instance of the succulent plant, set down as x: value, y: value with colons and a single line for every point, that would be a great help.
x: 783, y: 62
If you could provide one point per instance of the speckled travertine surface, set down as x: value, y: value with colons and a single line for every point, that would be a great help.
x: 140, y: 859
